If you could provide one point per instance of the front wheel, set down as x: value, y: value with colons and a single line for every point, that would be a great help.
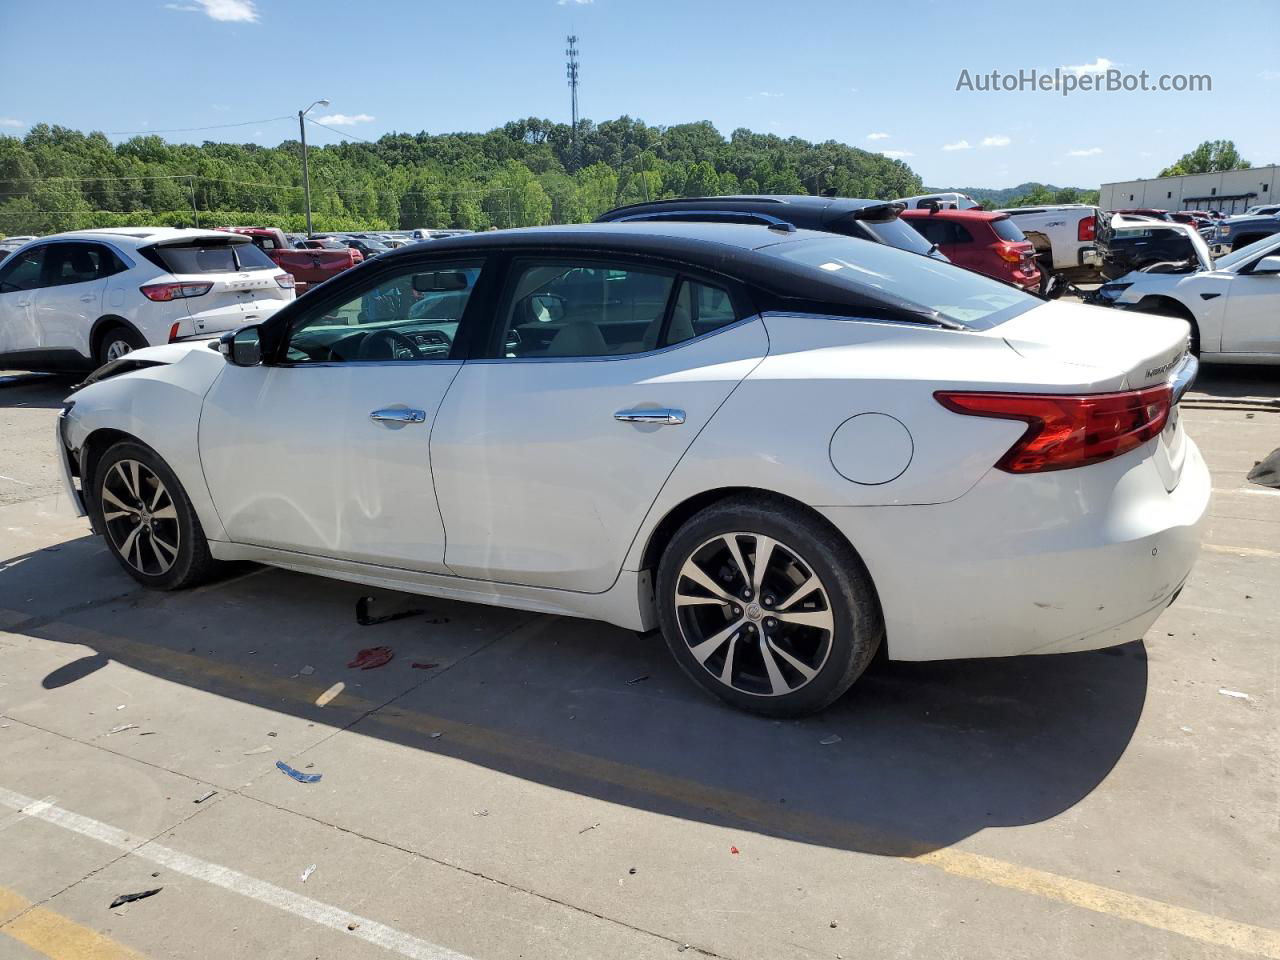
x: 766, y: 607
x: 148, y: 522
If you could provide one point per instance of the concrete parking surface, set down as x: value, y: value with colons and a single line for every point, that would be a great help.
x: 515, y: 785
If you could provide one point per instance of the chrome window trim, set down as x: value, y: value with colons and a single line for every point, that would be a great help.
x: 128, y: 261
x: 911, y: 324
x: 623, y: 356
x: 363, y: 363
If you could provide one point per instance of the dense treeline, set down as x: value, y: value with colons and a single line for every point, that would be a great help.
x: 527, y: 172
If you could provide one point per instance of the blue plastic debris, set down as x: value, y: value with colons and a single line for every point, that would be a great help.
x: 297, y: 774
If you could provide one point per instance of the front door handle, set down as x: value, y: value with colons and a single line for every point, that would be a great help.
x: 650, y: 415
x: 399, y: 415
x: 88, y: 298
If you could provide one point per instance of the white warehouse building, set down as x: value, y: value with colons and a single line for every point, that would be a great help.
x: 1232, y: 191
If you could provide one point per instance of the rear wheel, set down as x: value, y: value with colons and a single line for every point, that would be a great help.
x: 147, y: 520
x: 116, y: 341
x: 766, y: 607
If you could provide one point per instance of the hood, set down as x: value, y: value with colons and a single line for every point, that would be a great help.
x: 150, y: 357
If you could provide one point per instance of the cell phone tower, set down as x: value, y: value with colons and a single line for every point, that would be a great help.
x: 571, y: 71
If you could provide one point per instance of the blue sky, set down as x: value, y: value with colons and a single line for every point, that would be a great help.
x: 834, y: 69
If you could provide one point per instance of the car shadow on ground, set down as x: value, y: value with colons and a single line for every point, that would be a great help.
x: 1229, y: 380
x: 36, y: 390
x: 915, y: 757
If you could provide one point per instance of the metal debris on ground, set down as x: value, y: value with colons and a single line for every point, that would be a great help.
x: 371, y: 657
x: 366, y: 619
x: 423, y: 666
x: 130, y: 897
x: 585, y: 829
x: 828, y: 740
x: 204, y: 796
x: 638, y: 679
x: 122, y: 728
x: 1234, y: 693
x: 436, y: 734
x: 328, y: 696
x: 1266, y: 472
x: 308, y: 872
x: 297, y: 774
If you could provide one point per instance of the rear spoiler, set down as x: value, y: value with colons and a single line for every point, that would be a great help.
x: 222, y: 236
x: 876, y: 213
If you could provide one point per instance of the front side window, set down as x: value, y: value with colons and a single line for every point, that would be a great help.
x: 566, y: 309
x: 410, y: 315
x: 22, y: 270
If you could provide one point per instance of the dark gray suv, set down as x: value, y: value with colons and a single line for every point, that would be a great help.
x: 875, y: 220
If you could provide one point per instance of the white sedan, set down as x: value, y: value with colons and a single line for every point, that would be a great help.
x: 1232, y: 303
x: 784, y: 448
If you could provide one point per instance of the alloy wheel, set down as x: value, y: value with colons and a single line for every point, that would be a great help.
x: 117, y: 349
x: 140, y: 517
x: 754, y: 614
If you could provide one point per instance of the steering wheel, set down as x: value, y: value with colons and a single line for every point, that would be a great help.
x: 395, y: 345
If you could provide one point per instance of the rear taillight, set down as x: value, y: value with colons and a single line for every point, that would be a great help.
x: 1087, y: 228
x: 285, y: 281
x: 1065, y: 431
x: 175, y: 291
x: 1012, y: 252
x: 173, y: 332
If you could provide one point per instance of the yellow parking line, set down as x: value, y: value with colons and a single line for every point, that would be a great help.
x: 54, y: 936
x: 811, y: 827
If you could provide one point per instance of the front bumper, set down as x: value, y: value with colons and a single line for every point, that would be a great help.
x: 69, y: 488
x: 1049, y: 563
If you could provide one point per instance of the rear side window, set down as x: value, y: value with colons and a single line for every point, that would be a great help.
x: 942, y: 232
x: 66, y: 263
x: 1008, y: 230
x: 699, y: 308
x: 209, y: 257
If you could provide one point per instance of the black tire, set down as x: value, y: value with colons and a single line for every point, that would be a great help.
x: 846, y: 593
x: 117, y: 340
x: 190, y: 563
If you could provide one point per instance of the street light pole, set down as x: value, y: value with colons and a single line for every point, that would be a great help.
x: 306, y: 176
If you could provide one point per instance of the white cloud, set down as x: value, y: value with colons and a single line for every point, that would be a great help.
x: 576, y: 3
x: 999, y: 140
x: 896, y: 154
x: 10, y: 122
x: 768, y: 95
x: 1269, y: 75
x: 226, y: 11
x: 1101, y: 65
x: 958, y: 145
x: 345, y: 120
x: 1090, y: 152
x: 877, y: 136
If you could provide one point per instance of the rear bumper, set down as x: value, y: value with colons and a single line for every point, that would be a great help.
x: 1049, y: 563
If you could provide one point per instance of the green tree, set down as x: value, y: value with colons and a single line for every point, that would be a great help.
x: 1212, y: 156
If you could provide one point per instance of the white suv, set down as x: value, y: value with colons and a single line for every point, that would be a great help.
x: 76, y: 300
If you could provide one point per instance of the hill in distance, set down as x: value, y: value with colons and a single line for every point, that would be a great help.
x: 992, y: 198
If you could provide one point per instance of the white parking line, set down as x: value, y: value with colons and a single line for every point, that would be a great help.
x: 335, y: 918
x: 1256, y: 493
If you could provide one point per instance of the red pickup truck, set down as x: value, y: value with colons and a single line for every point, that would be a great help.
x: 308, y: 267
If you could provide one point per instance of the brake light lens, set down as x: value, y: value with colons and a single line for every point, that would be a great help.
x: 173, y: 332
x: 1087, y: 228
x: 162, y: 292
x: 1012, y: 252
x: 285, y: 281
x: 1065, y: 431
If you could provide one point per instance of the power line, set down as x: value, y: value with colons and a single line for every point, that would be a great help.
x: 216, y: 126
x: 341, y: 133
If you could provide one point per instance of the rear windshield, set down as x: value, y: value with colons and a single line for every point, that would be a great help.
x: 960, y: 295
x: 1008, y: 230
x: 211, y: 256
x: 896, y: 233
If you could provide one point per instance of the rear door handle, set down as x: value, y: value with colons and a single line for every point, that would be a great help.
x: 399, y: 415
x: 88, y: 298
x: 651, y: 415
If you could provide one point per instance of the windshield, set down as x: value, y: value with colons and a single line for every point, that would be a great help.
x: 1234, y: 259
x: 897, y: 233
x: 959, y: 295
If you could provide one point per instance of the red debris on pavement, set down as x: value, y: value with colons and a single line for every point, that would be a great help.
x: 734, y: 851
x: 372, y: 657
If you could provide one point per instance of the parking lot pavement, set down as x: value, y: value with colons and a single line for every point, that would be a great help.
x: 555, y: 788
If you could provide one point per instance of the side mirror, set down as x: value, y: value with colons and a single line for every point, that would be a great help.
x: 1267, y: 265
x: 242, y: 347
